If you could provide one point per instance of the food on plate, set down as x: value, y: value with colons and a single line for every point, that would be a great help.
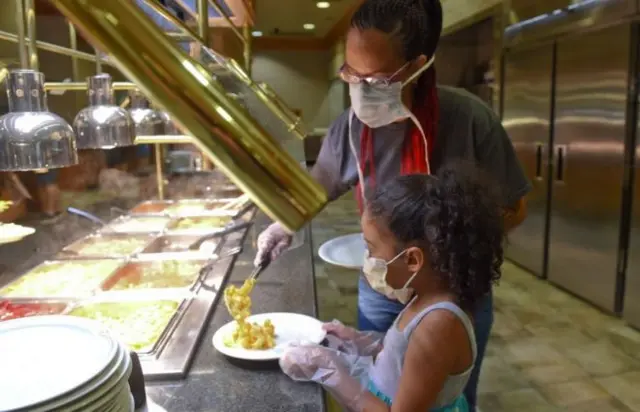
x: 248, y: 335
x: 139, y: 325
x: 139, y: 224
x: 155, y: 275
x: 210, y: 222
x: 9, y: 310
x: 5, y: 205
x: 61, y: 279
x: 111, y: 247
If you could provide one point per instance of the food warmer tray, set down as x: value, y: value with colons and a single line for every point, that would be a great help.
x: 172, y: 244
x: 137, y: 224
x: 74, y: 251
x: 171, y: 207
x: 90, y: 290
x: 134, y: 271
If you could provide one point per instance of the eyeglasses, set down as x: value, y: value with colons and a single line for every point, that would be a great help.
x: 348, y: 77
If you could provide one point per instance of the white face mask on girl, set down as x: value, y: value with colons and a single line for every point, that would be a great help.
x: 381, y: 104
x: 375, y: 271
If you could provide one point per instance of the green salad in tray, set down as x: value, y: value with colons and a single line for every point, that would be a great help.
x: 61, y: 279
x: 156, y: 275
x: 139, y: 325
x: 111, y: 247
x: 211, y: 222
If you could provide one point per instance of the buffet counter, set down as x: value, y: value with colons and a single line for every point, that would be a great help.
x: 202, y: 379
x: 216, y: 384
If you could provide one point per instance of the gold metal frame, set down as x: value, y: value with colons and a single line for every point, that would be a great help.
x: 224, y: 130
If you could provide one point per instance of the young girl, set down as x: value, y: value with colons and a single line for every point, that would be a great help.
x: 435, y: 242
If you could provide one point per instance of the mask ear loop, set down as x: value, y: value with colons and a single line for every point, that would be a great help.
x: 355, y: 155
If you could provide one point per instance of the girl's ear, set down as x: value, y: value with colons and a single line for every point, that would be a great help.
x: 415, y: 259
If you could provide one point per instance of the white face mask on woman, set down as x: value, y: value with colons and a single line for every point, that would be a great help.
x: 375, y: 271
x: 378, y: 105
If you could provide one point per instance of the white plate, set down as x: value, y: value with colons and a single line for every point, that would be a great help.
x: 10, y: 232
x: 346, y: 251
x: 45, y: 357
x: 289, y: 328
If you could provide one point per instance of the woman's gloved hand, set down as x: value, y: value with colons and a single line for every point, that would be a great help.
x: 343, y: 375
x: 353, y: 341
x: 272, y: 242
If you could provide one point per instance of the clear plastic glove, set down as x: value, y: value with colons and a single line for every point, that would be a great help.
x: 353, y: 341
x: 272, y: 242
x: 343, y: 375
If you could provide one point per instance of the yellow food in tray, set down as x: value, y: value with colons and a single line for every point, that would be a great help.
x: 247, y: 335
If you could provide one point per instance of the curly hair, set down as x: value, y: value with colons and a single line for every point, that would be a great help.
x: 456, y: 217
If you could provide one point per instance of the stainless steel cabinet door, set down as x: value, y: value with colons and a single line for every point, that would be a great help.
x: 526, y: 113
x: 589, y: 131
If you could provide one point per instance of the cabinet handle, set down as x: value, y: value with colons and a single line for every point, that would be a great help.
x: 539, y: 147
x: 561, y: 160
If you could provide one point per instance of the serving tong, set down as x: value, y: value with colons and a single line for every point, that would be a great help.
x: 214, y: 235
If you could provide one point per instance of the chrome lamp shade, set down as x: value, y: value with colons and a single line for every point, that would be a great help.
x: 170, y: 127
x: 32, y: 138
x: 103, y: 125
x: 148, y: 122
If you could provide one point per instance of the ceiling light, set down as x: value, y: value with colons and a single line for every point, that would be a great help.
x: 148, y: 121
x: 323, y: 4
x: 309, y: 26
x: 103, y: 124
x: 256, y: 33
x: 31, y: 137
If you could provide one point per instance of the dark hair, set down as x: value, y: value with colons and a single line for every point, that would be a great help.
x: 415, y: 24
x: 456, y: 217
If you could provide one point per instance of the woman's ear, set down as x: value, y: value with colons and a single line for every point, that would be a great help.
x: 415, y: 259
x: 421, y: 61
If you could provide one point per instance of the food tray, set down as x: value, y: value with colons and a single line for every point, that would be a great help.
x: 61, y: 279
x: 155, y: 274
x: 137, y: 224
x: 143, y: 324
x: 15, y: 309
x: 107, y: 245
x: 177, y: 244
x: 187, y: 207
x: 199, y: 224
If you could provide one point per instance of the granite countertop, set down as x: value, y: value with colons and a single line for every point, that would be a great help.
x: 216, y: 384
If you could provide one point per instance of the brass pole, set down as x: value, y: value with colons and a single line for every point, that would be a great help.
x: 80, y: 86
x: 226, y: 17
x: 203, y: 21
x: 248, y: 50
x: 22, y: 36
x: 98, y: 62
x: 159, y: 176
x: 203, y: 32
x: 30, y: 10
x: 242, y: 149
x: 73, y: 42
x: 54, y: 48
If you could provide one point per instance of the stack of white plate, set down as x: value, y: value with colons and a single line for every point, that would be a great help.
x: 62, y: 363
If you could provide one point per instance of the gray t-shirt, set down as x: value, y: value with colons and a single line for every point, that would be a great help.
x: 468, y: 129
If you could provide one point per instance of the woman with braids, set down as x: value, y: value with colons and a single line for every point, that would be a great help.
x: 436, y: 242
x: 401, y: 123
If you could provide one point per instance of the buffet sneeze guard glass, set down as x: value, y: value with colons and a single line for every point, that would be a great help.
x: 239, y: 145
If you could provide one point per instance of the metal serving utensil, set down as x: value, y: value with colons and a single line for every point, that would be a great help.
x: 214, y: 235
x: 86, y: 215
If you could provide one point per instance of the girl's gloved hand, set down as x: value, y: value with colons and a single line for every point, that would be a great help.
x: 272, y: 242
x: 341, y: 374
x: 350, y: 340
